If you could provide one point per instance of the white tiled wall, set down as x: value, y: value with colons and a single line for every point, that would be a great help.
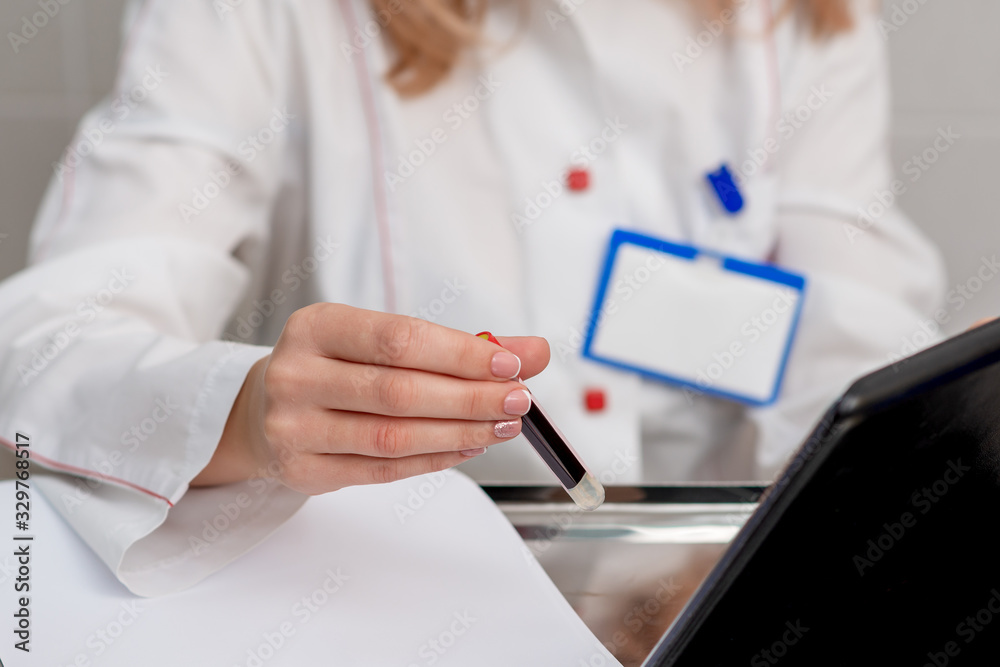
x: 946, y: 64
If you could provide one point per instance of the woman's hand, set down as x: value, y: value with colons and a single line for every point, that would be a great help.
x: 351, y: 396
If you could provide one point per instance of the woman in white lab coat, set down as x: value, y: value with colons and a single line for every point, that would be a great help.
x: 254, y: 159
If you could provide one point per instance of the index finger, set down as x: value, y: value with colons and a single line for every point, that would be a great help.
x: 365, y: 336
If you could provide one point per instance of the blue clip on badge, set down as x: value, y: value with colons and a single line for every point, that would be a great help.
x: 726, y: 190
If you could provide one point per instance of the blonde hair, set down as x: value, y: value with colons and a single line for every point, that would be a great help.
x: 428, y: 36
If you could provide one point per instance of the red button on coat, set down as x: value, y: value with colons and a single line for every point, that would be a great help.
x: 578, y: 179
x: 594, y: 400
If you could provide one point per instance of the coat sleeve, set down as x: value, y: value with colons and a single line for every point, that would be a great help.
x: 111, y: 352
x: 875, y: 283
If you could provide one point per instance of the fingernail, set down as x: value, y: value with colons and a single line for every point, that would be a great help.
x: 505, y: 365
x: 507, y: 429
x: 517, y: 402
x: 473, y: 452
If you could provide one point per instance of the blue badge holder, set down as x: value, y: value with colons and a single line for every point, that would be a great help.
x: 694, y: 318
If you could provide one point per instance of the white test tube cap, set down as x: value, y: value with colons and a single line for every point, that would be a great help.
x: 588, y: 493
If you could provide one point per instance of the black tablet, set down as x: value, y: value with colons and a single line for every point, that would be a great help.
x: 880, y: 542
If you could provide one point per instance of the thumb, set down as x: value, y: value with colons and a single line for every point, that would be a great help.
x: 531, y: 350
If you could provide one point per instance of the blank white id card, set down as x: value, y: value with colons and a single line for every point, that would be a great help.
x: 694, y: 318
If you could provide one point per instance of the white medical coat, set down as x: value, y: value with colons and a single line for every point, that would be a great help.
x: 252, y: 160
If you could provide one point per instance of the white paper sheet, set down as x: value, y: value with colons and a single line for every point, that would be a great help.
x: 422, y: 572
